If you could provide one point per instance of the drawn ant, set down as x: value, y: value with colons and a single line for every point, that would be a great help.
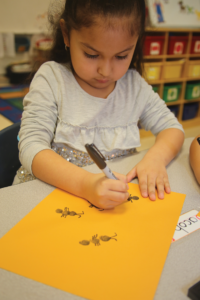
x: 66, y: 212
x: 130, y: 198
x: 106, y: 238
x: 96, y: 241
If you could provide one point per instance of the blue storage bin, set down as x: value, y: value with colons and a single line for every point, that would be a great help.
x: 190, y: 111
x: 174, y: 109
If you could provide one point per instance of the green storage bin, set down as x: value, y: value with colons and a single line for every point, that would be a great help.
x: 171, y: 92
x: 155, y: 89
x: 192, y: 90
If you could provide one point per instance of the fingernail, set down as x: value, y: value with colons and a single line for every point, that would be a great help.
x: 161, y: 195
x: 144, y: 194
x: 152, y: 197
x: 127, y: 186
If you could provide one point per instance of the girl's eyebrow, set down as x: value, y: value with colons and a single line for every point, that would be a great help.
x: 129, y: 48
x: 88, y: 46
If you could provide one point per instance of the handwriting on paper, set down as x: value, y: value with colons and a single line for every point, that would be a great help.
x: 187, y: 223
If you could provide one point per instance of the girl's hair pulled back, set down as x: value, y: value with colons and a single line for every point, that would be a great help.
x: 82, y: 13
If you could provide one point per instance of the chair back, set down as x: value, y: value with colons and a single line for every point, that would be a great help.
x: 9, y: 154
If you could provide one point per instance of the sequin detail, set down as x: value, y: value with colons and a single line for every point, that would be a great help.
x: 24, y: 176
x: 78, y: 158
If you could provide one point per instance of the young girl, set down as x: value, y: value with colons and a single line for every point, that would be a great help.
x: 91, y: 91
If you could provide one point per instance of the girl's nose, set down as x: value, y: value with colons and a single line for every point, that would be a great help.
x: 104, y: 68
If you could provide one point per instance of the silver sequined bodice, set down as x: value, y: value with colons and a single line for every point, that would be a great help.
x: 78, y: 158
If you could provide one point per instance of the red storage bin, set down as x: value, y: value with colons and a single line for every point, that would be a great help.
x: 195, y: 46
x: 177, y: 44
x: 153, y: 45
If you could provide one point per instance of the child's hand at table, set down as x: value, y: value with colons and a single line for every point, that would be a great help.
x: 151, y: 170
x: 106, y: 193
x: 151, y: 174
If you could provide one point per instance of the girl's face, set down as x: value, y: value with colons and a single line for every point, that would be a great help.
x: 100, y: 55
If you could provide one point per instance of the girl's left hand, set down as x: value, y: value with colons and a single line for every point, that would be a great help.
x: 151, y: 174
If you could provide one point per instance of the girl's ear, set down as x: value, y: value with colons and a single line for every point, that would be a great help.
x: 64, y: 32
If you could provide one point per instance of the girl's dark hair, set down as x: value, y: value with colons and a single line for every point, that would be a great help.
x: 82, y: 13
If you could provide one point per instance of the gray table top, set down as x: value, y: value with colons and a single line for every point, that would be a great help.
x: 182, y: 266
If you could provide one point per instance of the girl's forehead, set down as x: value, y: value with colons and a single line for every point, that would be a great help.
x: 124, y: 25
x: 118, y: 23
x: 106, y: 40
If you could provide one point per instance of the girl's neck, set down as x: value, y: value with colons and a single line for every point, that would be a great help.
x: 95, y: 92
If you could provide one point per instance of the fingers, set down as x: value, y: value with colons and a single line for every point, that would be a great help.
x: 151, y: 188
x: 149, y: 184
x: 117, y: 197
x: 167, y: 185
x: 131, y: 175
x: 112, y: 199
x: 162, y: 184
x: 112, y: 193
x: 143, y: 185
x: 121, y: 177
x: 117, y: 185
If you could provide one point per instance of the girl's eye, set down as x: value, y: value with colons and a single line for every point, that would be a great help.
x: 90, y: 56
x: 121, y: 57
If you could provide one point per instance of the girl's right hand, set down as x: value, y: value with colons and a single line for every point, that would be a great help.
x: 106, y: 193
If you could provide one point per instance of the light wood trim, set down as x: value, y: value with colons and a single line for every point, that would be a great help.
x: 182, y: 101
x: 171, y: 29
x: 165, y: 47
x: 190, y: 123
x: 173, y: 80
x: 152, y: 64
x: 198, y: 113
x: 175, y: 56
x: 180, y: 112
x: 194, y: 62
x: 189, y: 43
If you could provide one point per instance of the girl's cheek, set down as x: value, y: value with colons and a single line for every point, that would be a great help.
x: 87, y: 68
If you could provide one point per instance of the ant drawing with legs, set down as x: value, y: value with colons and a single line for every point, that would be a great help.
x: 66, y: 212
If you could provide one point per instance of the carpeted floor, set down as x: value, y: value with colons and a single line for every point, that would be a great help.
x: 11, y: 102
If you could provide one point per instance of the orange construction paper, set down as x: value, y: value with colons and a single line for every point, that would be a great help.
x: 109, y: 254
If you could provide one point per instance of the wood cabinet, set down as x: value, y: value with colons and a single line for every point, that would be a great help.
x: 170, y: 62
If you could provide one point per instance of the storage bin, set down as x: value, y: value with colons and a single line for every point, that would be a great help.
x: 192, y: 90
x: 194, y: 68
x: 173, y: 69
x: 153, y: 45
x: 195, y: 45
x: 171, y: 92
x: 155, y: 89
x: 152, y: 71
x: 22, y: 44
x: 190, y: 111
x: 177, y: 45
x: 174, y: 109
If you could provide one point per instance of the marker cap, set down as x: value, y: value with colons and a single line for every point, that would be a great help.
x: 96, y: 156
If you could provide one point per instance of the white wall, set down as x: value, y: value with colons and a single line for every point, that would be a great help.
x: 23, y: 16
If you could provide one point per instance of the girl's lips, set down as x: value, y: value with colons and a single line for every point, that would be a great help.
x: 102, y: 80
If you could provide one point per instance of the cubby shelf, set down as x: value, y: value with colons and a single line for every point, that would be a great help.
x: 186, y: 63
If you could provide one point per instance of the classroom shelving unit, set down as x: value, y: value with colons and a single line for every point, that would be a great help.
x: 174, y: 68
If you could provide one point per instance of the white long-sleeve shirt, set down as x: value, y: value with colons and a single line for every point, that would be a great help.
x: 57, y: 110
